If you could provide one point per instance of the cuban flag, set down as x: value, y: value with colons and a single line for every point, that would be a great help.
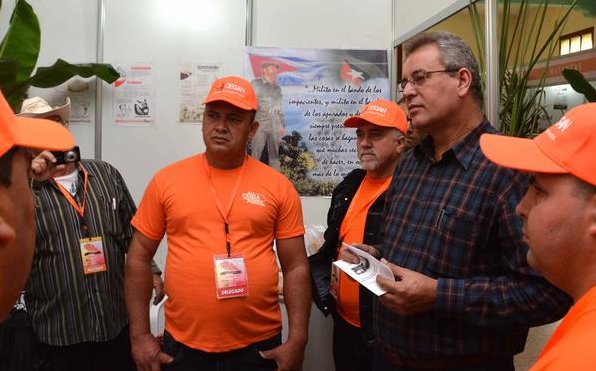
x: 292, y: 70
x: 352, y: 74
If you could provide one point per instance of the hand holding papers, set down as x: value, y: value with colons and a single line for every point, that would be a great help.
x: 366, y: 270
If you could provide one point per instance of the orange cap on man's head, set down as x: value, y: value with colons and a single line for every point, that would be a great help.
x: 234, y: 90
x: 30, y: 132
x: 381, y: 112
x: 567, y: 147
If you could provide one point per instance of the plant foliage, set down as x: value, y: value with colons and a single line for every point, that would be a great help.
x: 579, y: 83
x: 19, y: 51
x: 297, y: 162
x: 522, y: 44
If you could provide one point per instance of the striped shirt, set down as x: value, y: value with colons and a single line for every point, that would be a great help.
x: 454, y: 220
x: 66, y: 306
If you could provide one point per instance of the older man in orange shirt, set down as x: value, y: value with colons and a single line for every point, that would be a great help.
x: 355, y: 217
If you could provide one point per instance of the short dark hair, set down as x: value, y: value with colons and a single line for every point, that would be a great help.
x: 6, y: 167
x: 455, y: 54
x: 584, y: 189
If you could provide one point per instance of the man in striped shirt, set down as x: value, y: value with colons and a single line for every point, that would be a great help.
x: 75, y: 293
x: 463, y: 296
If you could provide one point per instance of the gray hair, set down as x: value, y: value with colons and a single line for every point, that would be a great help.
x: 455, y: 54
x: 397, y: 133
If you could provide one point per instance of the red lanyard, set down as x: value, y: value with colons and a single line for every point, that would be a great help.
x: 79, y: 208
x: 218, y: 202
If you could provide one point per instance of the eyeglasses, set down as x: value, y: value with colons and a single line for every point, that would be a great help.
x: 419, y: 77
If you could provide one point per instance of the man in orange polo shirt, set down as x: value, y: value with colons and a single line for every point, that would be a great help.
x: 221, y: 210
x: 559, y: 214
x: 355, y: 217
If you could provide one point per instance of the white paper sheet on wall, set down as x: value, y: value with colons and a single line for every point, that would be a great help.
x: 195, y: 81
x: 134, y: 102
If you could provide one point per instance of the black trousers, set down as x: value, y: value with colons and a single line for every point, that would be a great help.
x: 383, y: 363
x: 18, y: 347
x: 112, y: 355
x: 245, y: 359
x: 350, y: 352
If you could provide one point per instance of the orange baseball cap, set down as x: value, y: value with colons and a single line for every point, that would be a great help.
x: 567, y: 147
x: 30, y: 132
x: 381, y: 112
x: 234, y: 90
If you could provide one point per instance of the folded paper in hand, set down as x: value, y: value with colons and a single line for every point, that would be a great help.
x: 366, y: 270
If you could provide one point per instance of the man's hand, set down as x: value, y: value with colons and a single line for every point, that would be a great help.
x: 347, y: 255
x: 411, y: 293
x: 42, y: 166
x: 147, y: 353
x: 158, y: 288
x: 288, y: 356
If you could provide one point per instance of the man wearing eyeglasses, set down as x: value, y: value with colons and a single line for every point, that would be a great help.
x: 463, y: 296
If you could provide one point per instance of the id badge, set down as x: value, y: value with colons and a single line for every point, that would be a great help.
x: 231, y: 280
x: 92, y: 254
x: 334, y: 281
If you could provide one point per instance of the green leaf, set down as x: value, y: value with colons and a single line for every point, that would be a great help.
x: 524, y: 41
x: 13, y: 90
x: 61, y: 71
x: 22, y: 40
x: 579, y: 83
x: 8, y: 73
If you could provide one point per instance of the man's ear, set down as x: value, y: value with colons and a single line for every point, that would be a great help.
x: 253, y: 129
x: 401, y: 144
x: 7, y: 233
x: 465, y: 81
x: 592, y: 217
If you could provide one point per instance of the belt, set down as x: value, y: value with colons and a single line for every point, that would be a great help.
x: 442, y: 363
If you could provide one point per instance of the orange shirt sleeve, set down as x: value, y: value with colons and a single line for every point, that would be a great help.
x: 150, y: 217
x: 289, y: 222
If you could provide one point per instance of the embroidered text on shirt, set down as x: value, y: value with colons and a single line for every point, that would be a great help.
x: 254, y: 198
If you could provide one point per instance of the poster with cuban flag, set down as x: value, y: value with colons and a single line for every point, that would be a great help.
x: 304, y: 96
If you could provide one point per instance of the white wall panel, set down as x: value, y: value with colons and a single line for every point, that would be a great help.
x: 412, y: 17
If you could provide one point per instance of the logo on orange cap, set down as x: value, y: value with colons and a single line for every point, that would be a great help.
x: 567, y: 147
x: 234, y: 90
x: 381, y: 112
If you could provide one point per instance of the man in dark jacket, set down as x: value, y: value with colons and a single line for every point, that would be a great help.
x: 355, y: 217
